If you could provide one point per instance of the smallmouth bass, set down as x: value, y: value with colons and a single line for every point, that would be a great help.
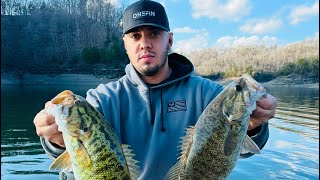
x: 211, y: 148
x: 93, y: 150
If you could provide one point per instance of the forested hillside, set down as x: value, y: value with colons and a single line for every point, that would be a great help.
x: 84, y: 36
x: 57, y: 34
x: 262, y: 62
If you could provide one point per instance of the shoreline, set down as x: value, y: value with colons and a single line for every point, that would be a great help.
x: 87, y: 79
x: 59, y: 79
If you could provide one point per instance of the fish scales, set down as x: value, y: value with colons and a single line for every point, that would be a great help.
x: 94, y: 149
x: 102, y: 154
x: 212, y: 149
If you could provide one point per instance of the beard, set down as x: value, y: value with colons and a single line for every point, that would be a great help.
x: 152, y: 70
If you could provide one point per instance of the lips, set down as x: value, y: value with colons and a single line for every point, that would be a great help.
x: 146, y: 56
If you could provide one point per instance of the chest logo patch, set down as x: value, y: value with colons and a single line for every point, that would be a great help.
x: 180, y: 105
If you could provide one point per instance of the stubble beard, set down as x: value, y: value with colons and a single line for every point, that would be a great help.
x: 153, y: 70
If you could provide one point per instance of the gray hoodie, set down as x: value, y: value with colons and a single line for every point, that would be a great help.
x: 152, y: 118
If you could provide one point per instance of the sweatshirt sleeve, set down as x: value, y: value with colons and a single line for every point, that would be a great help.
x: 260, y: 138
x: 93, y: 99
x: 52, y: 150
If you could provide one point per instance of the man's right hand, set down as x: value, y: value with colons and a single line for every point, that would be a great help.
x: 47, y: 128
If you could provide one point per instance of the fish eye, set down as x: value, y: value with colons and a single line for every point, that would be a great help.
x: 238, y: 88
x: 85, y: 129
x: 76, y: 102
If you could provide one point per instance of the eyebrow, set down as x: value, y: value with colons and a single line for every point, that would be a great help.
x: 150, y: 28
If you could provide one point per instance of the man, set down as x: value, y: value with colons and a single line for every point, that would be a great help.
x: 150, y: 107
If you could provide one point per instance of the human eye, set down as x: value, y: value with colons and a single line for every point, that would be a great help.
x: 135, y: 36
x: 155, y: 33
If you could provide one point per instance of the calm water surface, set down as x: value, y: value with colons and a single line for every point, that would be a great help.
x: 292, y: 151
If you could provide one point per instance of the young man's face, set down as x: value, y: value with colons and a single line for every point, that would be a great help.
x: 147, y: 48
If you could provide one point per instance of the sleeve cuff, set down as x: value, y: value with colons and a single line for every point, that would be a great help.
x: 254, y: 131
x: 52, y: 150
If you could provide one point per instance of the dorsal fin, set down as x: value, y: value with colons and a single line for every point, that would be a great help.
x: 62, y: 162
x: 131, y: 163
x: 177, y: 171
x: 186, y: 142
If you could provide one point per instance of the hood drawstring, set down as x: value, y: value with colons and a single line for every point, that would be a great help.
x: 152, y: 111
x: 162, y: 123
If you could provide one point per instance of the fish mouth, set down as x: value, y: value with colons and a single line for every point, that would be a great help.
x: 248, y: 104
x: 61, y: 96
x: 66, y: 97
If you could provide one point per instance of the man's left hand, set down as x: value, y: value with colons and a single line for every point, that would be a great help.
x: 266, y: 109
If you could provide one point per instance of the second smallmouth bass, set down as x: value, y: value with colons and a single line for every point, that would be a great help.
x: 93, y: 150
x: 211, y: 148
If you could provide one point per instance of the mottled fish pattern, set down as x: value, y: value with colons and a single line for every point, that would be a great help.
x: 211, y: 148
x: 93, y: 150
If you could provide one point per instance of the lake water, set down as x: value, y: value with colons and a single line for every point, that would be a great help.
x: 292, y: 151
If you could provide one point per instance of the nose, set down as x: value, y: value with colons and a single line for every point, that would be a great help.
x: 145, y: 43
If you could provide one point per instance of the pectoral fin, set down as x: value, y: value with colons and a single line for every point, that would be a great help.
x: 83, y: 156
x: 249, y: 146
x: 231, y: 142
x: 62, y: 162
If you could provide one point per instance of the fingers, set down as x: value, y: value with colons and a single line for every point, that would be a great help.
x: 265, y: 110
x: 47, y: 131
x: 45, y: 124
x: 267, y: 103
x: 43, y: 119
x: 266, y: 107
x: 48, y: 104
x: 259, y: 117
x: 260, y: 113
x: 47, y: 128
x: 52, y: 134
x: 57, y: 139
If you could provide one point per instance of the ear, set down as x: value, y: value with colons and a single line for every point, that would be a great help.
x: 170, y: 39
x: 124, y: 42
